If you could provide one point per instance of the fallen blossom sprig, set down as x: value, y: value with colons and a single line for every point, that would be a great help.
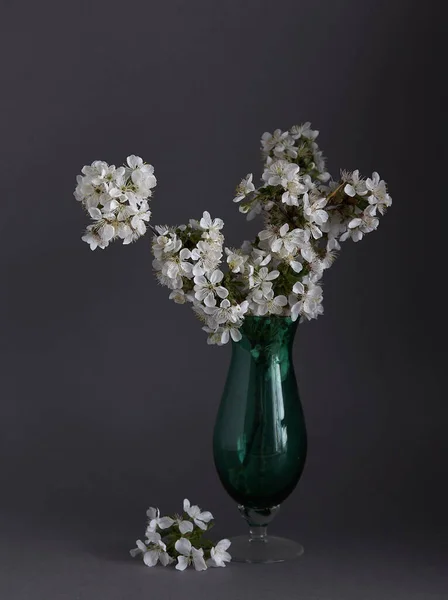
x: 307, y: 216
x: 181, y: 538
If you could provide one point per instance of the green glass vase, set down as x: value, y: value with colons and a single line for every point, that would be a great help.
x: 259, y: 441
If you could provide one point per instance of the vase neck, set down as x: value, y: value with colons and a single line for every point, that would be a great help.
x: 267, y: 335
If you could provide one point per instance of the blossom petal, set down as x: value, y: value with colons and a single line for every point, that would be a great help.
x: 151, y: 534
x: 134, y: 161
x: 276, y: 245
x: 281, y: 300
x: 284, y: 229
x: 198, y: 559
x: 185, y: 254
x: 206, y: 516
x: 216, y: 276
x: 296, y: 266
x: 198, y: 522
x: 355, y: 223
x: 222, y: 292
x: 272, y: 275
x: 223, y: 544
x: 211, y: 563
x: 165, y: 522
x: 150, y: 558
x: 209, y: 300
x: 182, y: 563
x: 95, y: 213
x: 350, y: 190
x: 183, y: 546
x: 298, y: 288
x: 185, y: 527
x: 235, y: 334
x: 107, y: 232
x: 295, y: 310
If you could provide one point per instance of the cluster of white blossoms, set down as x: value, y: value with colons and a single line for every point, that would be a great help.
x: 306, y: 216
x: 179, y: 540
x: 187, y: 261
x: 117, y: 200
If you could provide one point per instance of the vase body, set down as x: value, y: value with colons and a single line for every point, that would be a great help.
x: 259, y: 440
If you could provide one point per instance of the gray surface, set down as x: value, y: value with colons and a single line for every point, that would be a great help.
x: 51, y: 564
x: 109, y: 391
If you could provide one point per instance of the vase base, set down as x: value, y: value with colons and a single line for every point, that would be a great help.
x: 269, y: 550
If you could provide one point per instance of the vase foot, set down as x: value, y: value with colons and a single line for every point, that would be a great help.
x: 270, y: 549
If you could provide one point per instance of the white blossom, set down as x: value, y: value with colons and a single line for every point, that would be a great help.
x: 328, y: 259
x: 207, y: 256
x: 269, y: 141
x: 334, y: 227
x: 153, y: 551
x: 230, y: 331
x: 319, y: 163
x: 296, y: 265
x: 262, y: 278
x: 251, y: 209
x: 214, y: 335
x: 177, y: 265
x: 142, y: 175
x: 294, y: 189
x: 211, y: 226
x: 173, y: 283
x: 268, y: 304
x: 236, y: 260
x: 93, y: 238
x: 309, y: 306
x: 189, y: 555
x: 178, y: 296
x: 290, y: 241
x: 304, y: 130
x: 207, y: 287
x: 155, y: 520
x: 286, y: 148
x: 359, y: 226
x: 140, y: 549
x: 267, y: 237
x: 194, y: 512
x: 156, y: 551
x: 308, y: 253
x: 219, y: 555
x: 244, y: 188
x: 379, y: 196
x: 226, y: 312
x: 259, y: 258
x: 141, y: 215
x: 166, y: 244
x: 355, y: 185
x: 315, y: 215
x: 183, y: 525
x: 280, y: 172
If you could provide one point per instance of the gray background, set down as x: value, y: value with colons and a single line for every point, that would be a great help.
x: 109, y: 391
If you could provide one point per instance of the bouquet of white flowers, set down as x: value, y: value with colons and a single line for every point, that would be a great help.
x: 306, y: 217
x: 181, y: 538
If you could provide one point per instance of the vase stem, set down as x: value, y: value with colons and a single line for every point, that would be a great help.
x: 258, y: 533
